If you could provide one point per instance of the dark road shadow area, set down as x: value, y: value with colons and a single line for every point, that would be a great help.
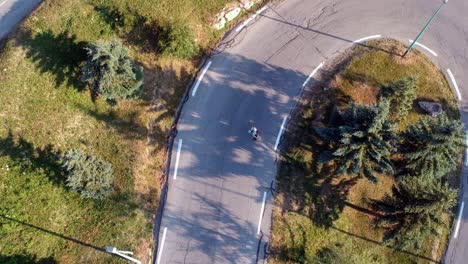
x: 215, y: 136
x: 214, y: 232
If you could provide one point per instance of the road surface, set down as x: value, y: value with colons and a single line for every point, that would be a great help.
x: 13, y: 12
x: 219, y: 186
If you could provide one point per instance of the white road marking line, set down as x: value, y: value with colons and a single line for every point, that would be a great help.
x: 239, y: 28
x: 466, y: 157
x: 424, y: 47
x: 179, y: 147
x: 162, y: 246
x: 280, y: 132
x: 367, y: 38
x: 454, y: 84
x: 312, y: 74
x: 455, y: 235
x: 195, y: 88
x: 261, y: 213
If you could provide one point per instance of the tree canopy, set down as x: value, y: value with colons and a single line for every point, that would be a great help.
x: 401, y: 95
x: 88, y: 175
x: 414, y: 211
x: 111, y: 72
x: 433, y: 145
x: 364, y: 140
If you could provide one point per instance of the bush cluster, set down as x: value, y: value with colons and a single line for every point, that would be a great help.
x: 88, y: 175
x: 177, y: 40
x: 111, y: 72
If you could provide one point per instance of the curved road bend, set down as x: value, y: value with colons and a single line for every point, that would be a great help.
x: 14, y: 11
x: 215, y: 201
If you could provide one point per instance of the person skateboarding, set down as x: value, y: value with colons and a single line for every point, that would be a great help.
x: 253, y: 131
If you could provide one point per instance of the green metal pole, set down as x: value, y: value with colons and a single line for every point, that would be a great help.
x: 424, y: 28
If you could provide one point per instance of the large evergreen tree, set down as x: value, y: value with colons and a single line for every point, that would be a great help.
x: 110, y: 71
x: 401, y: 94
x: 433, y: 145
x: 364, y: 141
x: 414, y: 211
x: 88, y: 175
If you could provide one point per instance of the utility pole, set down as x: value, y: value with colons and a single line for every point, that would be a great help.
x: 425, y: 27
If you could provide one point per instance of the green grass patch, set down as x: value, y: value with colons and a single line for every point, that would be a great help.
x: 46, y: 110
x: 316, y: 211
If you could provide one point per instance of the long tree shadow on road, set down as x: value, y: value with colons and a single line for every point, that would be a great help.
x: 217, y: 243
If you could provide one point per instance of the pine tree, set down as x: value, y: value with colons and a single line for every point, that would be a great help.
x: 111, y: 73
x: 401, y: 94
x: 88, y: 175
x: 434, y: 145
x: 414, y: 211
x: 365, y: 141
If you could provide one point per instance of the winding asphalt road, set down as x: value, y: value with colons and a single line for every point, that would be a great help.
x: 12, y: 12
x: 220, y: 197
x: 219, y: 187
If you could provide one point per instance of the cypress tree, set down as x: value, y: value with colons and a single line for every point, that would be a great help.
x: 434, y: 145
x: 414, y: 211
x: 365, y: 141
x: 110, y: 71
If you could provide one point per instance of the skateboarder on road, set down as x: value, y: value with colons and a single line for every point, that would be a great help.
x: 253, y: 131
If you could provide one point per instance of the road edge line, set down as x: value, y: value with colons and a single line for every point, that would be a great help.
x: 454, y: 82
x: 424, y: 47
x: 312, y: 74
x: 158, y: 260
x: 280, y: 132
x: 246, y: 22
x: 261, y: 213
x: 455, y: 235
x: 194, y: 91
x: 176, y: 168
x: 367, y: 38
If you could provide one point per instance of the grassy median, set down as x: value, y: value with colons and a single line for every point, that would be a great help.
x: 316, y: 212
x: 46, y: 110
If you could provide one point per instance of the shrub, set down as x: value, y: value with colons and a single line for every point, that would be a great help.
x: 88, y: 175
x: 178, y: 40
x: 111, y: 72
